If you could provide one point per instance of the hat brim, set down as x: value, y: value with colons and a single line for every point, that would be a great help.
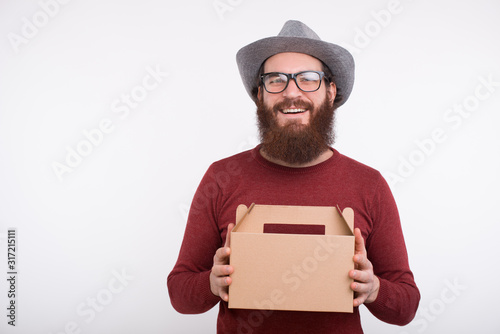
x: 338, y: 60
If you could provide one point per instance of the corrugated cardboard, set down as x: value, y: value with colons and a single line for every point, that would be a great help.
x: 296, y: 272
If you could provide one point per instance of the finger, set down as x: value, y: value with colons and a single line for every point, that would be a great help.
x: 222, y: 256
x: 222, y: 287
x: 222, y: 282
x: 228, y: 234
x: 359, y: 300
x: 359, y: 242
x: 361, y: 262
x: 224, y: 295
x: 359, y: 276
x: 222, y: 270
x: 360, y: 288
x: 359, y: 292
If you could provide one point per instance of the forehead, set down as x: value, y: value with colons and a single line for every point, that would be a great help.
x: 292, y: 62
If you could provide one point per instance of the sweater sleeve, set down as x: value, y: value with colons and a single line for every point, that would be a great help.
x: 398, y: 296
x: 188, y: 283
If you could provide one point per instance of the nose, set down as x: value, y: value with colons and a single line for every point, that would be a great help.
x: 292, y: 90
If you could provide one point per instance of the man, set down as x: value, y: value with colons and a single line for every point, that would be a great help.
x: 297, y: 81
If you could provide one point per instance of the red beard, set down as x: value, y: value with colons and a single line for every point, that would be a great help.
x: 296, y: 143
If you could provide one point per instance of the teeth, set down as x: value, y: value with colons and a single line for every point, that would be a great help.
x: 293, y: 111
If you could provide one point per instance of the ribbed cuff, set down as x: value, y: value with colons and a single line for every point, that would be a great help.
x: 379, y: 303
x: 206, y: 292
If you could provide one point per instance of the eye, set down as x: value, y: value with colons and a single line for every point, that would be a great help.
x: 276, y: 79
x: 308, y: 77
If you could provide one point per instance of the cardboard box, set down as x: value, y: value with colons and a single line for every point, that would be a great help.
x: 301, y: 265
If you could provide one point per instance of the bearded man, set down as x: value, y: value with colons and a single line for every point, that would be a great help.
x: 297, y: 82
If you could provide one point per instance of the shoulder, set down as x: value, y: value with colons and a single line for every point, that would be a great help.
x: 232, y: 165
x: 354, y: 168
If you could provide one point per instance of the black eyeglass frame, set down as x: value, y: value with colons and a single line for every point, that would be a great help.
x: 294, y: 77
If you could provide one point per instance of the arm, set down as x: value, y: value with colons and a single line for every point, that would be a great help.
x: 383, y: 279
x: 189, y: 283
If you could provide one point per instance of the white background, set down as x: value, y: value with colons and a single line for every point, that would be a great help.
x: 122, y: 209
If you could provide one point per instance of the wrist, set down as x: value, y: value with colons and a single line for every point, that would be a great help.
x: 213, y: 289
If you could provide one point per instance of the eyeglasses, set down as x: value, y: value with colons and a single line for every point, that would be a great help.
x: 306, y: 81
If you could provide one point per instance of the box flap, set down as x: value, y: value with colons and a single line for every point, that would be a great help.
x: 348, y: 216
x: 241, y: 212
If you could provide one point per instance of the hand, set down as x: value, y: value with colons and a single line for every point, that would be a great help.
x: 366, y: 284
x: 219, y: 276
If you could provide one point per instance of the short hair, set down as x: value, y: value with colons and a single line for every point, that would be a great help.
x: 329, y: 77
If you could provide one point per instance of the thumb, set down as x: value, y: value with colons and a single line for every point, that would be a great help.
x: 359, y: 242
x: 228, y: 235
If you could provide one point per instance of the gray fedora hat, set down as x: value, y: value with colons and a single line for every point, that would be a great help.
x: 295, y: 36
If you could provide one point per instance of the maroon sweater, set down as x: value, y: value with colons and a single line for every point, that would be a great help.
x: 248, y: 177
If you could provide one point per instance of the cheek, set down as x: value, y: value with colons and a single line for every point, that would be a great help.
x: 269, y: 101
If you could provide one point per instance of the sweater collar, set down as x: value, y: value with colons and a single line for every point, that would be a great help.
x: 294, y: 170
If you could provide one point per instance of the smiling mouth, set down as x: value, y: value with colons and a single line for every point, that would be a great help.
x: 293, y: 111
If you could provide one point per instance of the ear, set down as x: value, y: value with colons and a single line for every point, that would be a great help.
x: 332, y: 88
x: 259, y: 92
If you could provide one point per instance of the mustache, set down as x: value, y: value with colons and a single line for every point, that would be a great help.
x: 286, y: 103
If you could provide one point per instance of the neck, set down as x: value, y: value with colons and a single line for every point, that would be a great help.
x: 321, y: 158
